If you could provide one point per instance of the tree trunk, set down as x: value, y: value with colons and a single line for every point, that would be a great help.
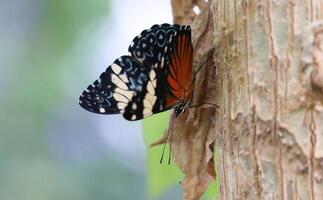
x: 266, y: 76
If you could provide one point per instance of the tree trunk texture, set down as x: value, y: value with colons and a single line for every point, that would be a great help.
x: 266, y: 77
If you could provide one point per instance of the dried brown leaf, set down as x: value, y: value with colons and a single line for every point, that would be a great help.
x: 192, y: 143
x: 183, y: 11
x: 192, y: 153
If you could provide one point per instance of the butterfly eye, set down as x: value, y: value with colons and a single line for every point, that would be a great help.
x: 180, y: 108
x: 99, y: 99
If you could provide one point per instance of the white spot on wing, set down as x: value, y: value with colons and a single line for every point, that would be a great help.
x: 126, y: 93
x: 134, y: 106
x: 124, y: 78
x: 102, y: 110
x: 151, y: 98
x: 116, y: 68
x: 116, y: 80
x: 121, y: 105
x: 152, y: 75
x: 147, y: 104
x: 147, y: 111
x: 150, y: 88
x: 120, y: 97
x: 162, y: 62
x: 133, y: 117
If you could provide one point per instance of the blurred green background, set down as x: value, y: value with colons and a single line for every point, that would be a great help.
x: 50, y: 148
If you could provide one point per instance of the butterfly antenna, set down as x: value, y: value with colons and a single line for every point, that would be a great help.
x: 204, y: 103
x: 169, y: 133
x: 171, y: 138
x: 162, y: 156
x: 164, y: 147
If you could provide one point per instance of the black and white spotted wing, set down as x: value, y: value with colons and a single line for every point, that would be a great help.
x: 153, y: 46
x: 111, y: 93
x: 161, y: 48
x: 143, y: 83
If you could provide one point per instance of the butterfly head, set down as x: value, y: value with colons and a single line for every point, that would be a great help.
x: 180, y: 108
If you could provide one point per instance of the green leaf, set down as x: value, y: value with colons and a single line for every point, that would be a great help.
x: 160, y: 176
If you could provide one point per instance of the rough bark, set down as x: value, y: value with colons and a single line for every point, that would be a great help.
x: 266, y: 76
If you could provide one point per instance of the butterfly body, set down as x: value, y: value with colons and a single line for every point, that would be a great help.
x: 156, y: 76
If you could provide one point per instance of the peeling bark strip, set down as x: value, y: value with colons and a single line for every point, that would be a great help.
x: 256, y: 171
x: 311, y: 160
x: 245, y: 7
x: 273, y: 63
x: 281, y: 173
x: 269, y: 86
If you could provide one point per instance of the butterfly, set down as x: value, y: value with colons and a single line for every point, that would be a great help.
x: 156, y: 76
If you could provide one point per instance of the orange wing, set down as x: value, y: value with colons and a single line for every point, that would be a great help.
x: 179, y: 77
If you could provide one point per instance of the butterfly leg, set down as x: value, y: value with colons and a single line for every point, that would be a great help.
x: 208, y: 104
x: 191, y: 114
